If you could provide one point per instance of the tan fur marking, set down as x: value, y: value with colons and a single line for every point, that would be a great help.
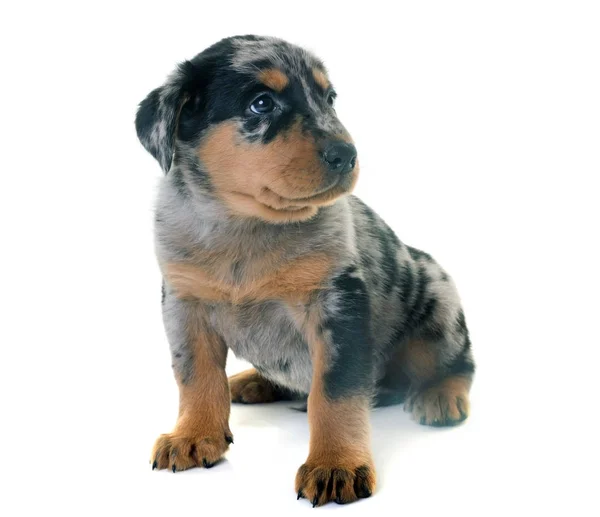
x: 250, y: 387
x: 281, y: 181
x: 200, y: 436
x: 190, y: 281
x: 420, y: 360
x: 208, y: 389
x: 294, y: 281
x: 321, y: 78
x: 274, y: 79
x: 445, y: 403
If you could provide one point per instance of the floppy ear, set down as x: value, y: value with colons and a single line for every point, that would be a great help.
x: 158, y: 114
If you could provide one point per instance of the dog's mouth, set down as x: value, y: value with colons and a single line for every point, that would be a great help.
x: 270, y: 204
x: 275, y: 200
x: 272, y: 207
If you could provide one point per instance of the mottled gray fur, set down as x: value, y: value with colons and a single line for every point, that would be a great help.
x: 409, y: 294
x: 265, y: 333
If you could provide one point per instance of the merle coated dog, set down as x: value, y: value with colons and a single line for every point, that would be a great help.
x: 264, y: 251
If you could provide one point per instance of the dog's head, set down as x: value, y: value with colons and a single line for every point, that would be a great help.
x: 252, y: 120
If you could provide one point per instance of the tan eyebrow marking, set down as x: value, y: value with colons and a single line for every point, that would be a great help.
x: 321, y: 78
x: 274, y: 79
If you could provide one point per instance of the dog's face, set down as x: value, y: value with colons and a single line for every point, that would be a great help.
x: 252, y: 120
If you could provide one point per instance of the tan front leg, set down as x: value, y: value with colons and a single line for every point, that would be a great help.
x: 201, y: 435
x: 339, y: 466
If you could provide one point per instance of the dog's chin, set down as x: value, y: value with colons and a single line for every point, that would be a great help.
x: 294, y: 199
x: 273, y: 207
x: 246, y: 205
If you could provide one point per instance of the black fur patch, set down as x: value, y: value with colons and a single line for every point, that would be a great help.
x: 146, y: 115
x: 407, y: 283
x: 417, y: 254
x: 350, y: 372
x: 176, y: 177
x: 389, y: 245
x: 463, y: 363
x: 417, y: 307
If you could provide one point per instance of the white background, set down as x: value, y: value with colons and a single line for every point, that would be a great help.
x: 478, y: 130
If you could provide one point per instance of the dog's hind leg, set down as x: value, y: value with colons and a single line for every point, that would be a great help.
x: 250, y: 387
x: 430, y: 365
x: 440, y: 368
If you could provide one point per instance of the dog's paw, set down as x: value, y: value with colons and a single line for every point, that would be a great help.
x: 250, y: 387
x: 444, y: 404
x: 181, y: 451
x: 340, y: 483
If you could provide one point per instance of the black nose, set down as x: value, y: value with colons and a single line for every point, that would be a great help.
x: 340, y: 157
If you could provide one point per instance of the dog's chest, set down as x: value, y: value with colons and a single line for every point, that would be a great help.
x: 264, y: 334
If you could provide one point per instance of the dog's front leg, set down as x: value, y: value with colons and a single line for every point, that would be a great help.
x: 339, y: 466
x: 201, y: 435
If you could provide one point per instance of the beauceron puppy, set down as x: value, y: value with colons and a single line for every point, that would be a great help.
x: 264, y: 251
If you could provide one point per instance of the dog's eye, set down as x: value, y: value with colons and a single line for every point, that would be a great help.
x: 331, y: 98
x: 263, y: 104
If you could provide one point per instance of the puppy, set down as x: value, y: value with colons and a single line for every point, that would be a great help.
x: 264, y: 252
